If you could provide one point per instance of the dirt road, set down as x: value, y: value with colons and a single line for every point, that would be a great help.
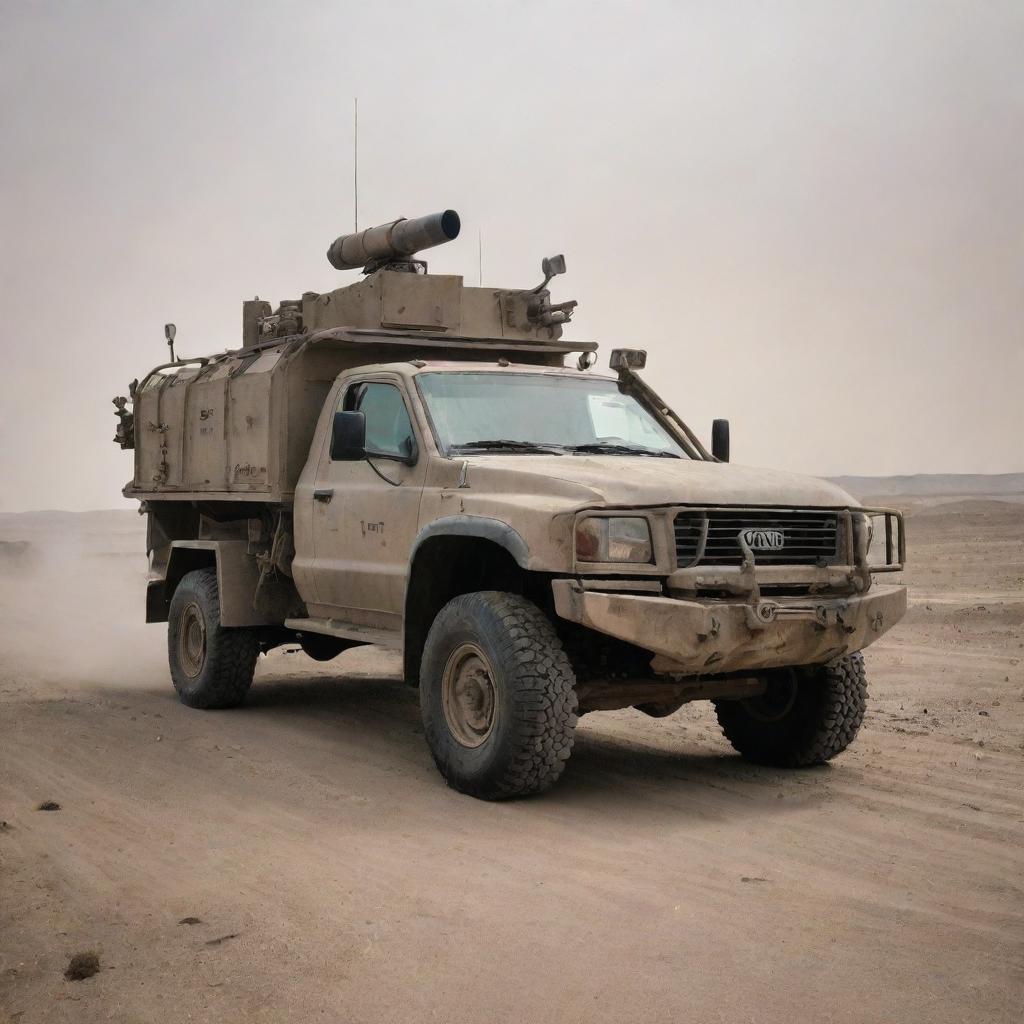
x: 335, y: 878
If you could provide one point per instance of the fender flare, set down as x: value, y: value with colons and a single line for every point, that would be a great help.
x: 482, y: 527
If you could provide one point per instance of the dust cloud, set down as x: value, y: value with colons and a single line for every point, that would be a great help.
x: 72, y: 599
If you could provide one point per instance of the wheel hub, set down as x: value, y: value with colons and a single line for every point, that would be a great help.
x: 468, y: 695
x: 777, y: 700
x: 192, y: 640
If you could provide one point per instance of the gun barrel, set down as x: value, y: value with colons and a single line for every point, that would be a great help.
x: 397, y: 240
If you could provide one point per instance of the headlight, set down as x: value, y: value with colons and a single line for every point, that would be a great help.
x: 613, y: 539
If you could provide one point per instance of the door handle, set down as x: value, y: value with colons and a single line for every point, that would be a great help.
x: 324, y: 495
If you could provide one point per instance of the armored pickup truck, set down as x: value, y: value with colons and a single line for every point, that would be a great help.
x: 414, y: 463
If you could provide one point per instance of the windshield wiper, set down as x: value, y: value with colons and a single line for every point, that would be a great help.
x: 607, y: 448
x: 503, y: 444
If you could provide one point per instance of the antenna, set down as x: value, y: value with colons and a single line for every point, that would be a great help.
x: 355, y: 157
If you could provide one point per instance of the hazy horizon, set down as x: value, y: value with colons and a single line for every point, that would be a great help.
x: 812, y: 216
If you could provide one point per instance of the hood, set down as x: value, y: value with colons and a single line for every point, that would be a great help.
x: 622, y: 480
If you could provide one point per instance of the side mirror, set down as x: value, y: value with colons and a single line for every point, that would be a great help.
x: 628, y: 359
x: 348, y: 437
x: 720, y: 440
x: 552, y: 266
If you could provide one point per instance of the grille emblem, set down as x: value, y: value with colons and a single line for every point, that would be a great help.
x: 764, y: 540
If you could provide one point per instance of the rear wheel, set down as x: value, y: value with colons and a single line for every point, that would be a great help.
x: 806, y: 715
x: 497, y: 696
x: 211, y: 666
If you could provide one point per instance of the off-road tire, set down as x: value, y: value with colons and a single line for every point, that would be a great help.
x: 826, y: 712
x: 229, y: 656
x: 535, y: 703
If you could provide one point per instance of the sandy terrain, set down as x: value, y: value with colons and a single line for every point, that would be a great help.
x: 335, y: 878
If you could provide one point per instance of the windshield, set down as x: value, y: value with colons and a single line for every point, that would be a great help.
x: 531, y: 413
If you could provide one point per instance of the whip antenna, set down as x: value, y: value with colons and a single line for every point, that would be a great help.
x: 355, y: 158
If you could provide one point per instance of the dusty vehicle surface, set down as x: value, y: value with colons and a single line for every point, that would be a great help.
x: 411, y: 462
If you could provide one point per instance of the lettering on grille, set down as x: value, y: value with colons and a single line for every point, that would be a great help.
x: 764, y: 540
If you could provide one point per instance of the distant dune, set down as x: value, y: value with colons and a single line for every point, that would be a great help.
x: 934, y: 484
x: 55, y: 517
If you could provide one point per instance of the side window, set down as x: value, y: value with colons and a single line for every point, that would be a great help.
x: 388, y: 429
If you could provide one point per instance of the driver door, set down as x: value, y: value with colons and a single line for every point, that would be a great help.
x: 365, y: 513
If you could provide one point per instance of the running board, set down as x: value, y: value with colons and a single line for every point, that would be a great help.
x: 348, y: 631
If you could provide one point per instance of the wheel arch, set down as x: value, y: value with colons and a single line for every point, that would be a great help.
x: 480, y: 527
x: 459, y: 555
x: 238, y: 575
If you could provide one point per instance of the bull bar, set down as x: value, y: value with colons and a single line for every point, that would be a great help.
x: 696, y: 630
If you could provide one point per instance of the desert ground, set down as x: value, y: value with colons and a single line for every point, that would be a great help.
x: 328, y: 874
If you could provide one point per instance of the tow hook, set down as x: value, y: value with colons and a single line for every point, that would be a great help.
x: 761, y: 614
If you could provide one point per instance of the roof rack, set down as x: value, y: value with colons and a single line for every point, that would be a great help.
x: 434, y: 340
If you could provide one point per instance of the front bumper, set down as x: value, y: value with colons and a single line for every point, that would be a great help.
x: 696, y: 637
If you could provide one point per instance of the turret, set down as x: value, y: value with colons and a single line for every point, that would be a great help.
x: 397, y: 293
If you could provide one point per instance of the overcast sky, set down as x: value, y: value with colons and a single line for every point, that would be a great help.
x: 811, y: 214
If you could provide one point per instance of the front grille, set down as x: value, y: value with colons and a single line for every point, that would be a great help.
x: 807, y: 538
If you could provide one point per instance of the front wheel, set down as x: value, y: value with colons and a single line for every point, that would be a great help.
x: 805, y: 716
x: 211, y: 666
x: 497, y: 696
